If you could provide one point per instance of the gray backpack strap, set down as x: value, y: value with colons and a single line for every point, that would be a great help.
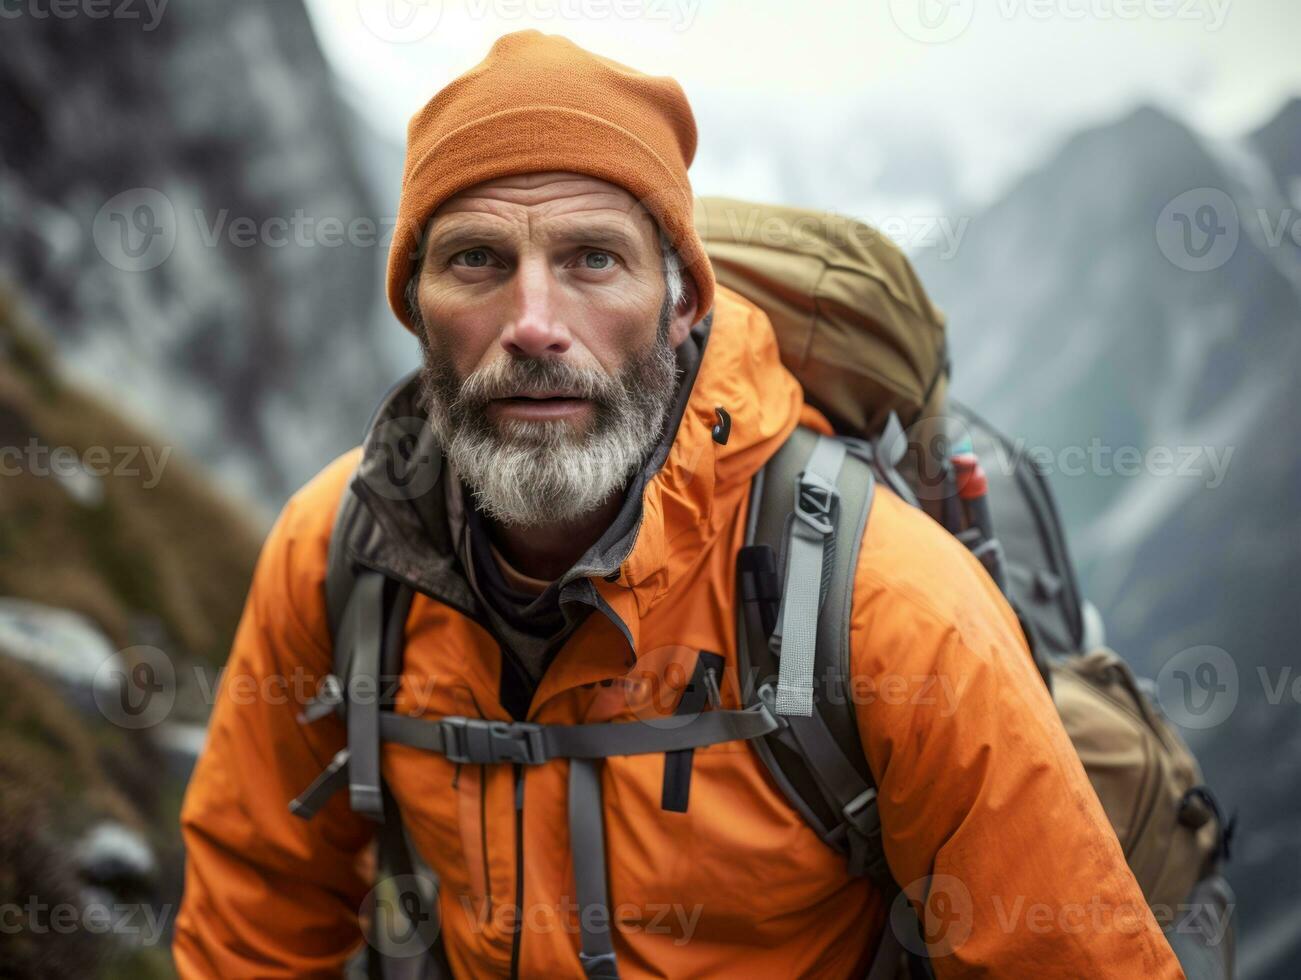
x: 816, y: 758
x: 810, y: 546
x: 481, y: 741
x: 340, y: 578
x: 340, y: 573
x: 367, y: 616
x: 364, y: 637
x: 889, y: 951
x: 587, y: 842
x: 405, y: 938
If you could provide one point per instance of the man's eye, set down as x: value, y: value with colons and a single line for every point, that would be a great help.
x: 475, y: 258
x: 598, y: 260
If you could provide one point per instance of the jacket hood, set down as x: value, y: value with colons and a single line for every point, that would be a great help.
x: 731, y: 382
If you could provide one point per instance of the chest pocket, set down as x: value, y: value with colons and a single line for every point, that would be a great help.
x: 703, y: 841
x: 738, y: 857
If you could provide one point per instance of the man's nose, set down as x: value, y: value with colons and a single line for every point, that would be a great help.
x: 534, y: 327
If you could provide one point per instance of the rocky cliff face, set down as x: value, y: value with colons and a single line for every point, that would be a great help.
x: 134, y: 160
x: 1142, y: 289
x: 180, y: 206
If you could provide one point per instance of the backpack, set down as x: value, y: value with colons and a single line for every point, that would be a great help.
x: 856, y: 328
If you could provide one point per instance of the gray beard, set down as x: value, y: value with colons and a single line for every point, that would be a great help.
x: 533, y: 473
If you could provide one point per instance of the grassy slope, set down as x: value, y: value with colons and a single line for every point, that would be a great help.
x: 178, y: 551
x: 167, y: 565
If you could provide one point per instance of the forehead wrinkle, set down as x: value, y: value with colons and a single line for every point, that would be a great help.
x: 595, y: 233
x: 456, y: 228
x: 597, y: 220
x: 562, y: 230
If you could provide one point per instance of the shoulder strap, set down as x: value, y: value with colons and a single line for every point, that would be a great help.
x: 340, y: 572
x: 810, y: 555
x: 367, y: 615
x: 343, y: 606
x: 808, y: 512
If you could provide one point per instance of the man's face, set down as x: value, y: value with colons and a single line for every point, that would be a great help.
x: 548, y: 339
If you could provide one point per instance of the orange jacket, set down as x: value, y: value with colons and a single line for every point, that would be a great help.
x: 979, y: 785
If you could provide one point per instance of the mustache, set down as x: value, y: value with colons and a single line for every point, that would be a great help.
x: 515, y: 376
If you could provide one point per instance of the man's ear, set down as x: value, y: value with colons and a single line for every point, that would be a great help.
x: 684, y: 314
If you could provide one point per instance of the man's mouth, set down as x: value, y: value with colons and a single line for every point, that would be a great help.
x: 539, y: 405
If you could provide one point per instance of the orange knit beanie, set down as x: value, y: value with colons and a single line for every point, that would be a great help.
x: 539, y: 102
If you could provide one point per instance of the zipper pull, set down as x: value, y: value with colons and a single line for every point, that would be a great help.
x: 711, y: 689
x: 327, y: 700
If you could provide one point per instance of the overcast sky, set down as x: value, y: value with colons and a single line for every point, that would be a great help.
x: 965, y: 91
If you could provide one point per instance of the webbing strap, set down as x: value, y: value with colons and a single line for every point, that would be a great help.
x: 851, y: 796
x: 587, y: 844
x: 885, y: 961
x: 796, y: 637
x: 676, y: 790
x: 476, y: 740
x: 332, y: 779
x: 411, y: 945
x: 363, y: 709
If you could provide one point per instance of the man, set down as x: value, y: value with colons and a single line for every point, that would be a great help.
x: 577, y: 531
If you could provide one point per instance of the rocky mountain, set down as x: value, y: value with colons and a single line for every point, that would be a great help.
x: 1132, y: 310
x: 181, y: 207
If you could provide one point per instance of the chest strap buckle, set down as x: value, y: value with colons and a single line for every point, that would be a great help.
x: 478, y: 740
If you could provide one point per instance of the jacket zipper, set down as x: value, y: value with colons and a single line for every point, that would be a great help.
x: 519, y: 870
